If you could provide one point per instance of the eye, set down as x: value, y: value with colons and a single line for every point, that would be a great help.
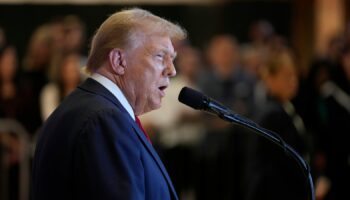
x: 160, y: 56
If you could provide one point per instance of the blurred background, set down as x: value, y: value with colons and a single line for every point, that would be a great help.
x: 283, y: 63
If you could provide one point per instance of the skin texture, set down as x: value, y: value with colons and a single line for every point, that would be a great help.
x: 142, y: 72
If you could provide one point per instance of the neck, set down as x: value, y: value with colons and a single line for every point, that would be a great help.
x: 122, y: 85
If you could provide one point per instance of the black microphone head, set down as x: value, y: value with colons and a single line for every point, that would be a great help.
x: 192, y: 98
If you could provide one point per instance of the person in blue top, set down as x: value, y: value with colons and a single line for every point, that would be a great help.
x: 92, y: 147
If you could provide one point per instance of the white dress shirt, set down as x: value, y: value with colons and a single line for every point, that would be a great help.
x: 115, y: 90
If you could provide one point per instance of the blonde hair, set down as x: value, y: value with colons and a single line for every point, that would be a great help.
x: 276, y: 60
x: 42, y: 36
x: 120, y: 29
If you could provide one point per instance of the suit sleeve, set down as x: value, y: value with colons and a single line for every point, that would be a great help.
x: 108, y: 159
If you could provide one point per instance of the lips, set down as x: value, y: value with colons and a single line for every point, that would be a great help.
x: 162, y: 90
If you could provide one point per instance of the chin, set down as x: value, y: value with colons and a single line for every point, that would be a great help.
x: 153, y: 106
x: 156, y: 105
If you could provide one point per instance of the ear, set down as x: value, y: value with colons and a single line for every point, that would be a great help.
x: 117, y: 61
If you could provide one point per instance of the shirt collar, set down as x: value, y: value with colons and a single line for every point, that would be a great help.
x: 115, y: 90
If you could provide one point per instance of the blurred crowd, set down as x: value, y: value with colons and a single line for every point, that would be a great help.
x: 32, y: 87
x: 207, y: 158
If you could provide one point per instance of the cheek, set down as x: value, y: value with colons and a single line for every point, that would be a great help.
x: 153, y: 73
x: 291, y: 86
x: 146, y: 79
x: 146, y: 84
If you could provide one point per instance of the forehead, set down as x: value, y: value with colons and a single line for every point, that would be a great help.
x: 155, y: 43
x: 161, y: 43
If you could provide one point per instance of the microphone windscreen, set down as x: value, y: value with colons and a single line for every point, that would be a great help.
x: 191, y: 98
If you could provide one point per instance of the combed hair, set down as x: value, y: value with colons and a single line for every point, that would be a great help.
x: 120, y: 29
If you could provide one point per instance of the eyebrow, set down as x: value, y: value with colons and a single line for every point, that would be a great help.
x: 173, y: 55
x: 166, y: 51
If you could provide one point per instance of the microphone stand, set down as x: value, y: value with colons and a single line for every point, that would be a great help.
x: 275, y: 138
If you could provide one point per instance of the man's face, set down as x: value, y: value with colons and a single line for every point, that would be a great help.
x: 148, y: 68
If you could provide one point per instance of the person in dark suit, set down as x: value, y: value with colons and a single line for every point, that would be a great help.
x: 92, y: 146
x: 272, y: 174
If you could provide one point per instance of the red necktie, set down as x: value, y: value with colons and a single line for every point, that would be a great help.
x: 138, y: 122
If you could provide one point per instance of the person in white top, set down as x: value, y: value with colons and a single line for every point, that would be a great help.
x: 69, y: 76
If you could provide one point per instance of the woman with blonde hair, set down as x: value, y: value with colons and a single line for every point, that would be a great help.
x: 273, y: 175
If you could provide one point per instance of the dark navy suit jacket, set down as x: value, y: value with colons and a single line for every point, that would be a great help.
x: 90, y: 148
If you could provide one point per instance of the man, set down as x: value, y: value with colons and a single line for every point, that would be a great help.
x: 91, y: 147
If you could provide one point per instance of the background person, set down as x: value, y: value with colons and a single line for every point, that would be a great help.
x: 272, y: 174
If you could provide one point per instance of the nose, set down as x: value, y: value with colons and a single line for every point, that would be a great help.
x: 170, y: 70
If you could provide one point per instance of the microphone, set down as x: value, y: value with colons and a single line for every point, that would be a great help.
x: 199, y: 101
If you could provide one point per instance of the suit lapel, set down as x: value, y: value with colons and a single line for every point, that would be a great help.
x: 93, y: 86
x: 155, y: 156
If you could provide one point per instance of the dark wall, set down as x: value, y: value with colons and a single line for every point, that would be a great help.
x: 201, y: 22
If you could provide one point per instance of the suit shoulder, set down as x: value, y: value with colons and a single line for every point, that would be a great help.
x: 81, y: 106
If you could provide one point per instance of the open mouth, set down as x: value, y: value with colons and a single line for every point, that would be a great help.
x: 162, y: 88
